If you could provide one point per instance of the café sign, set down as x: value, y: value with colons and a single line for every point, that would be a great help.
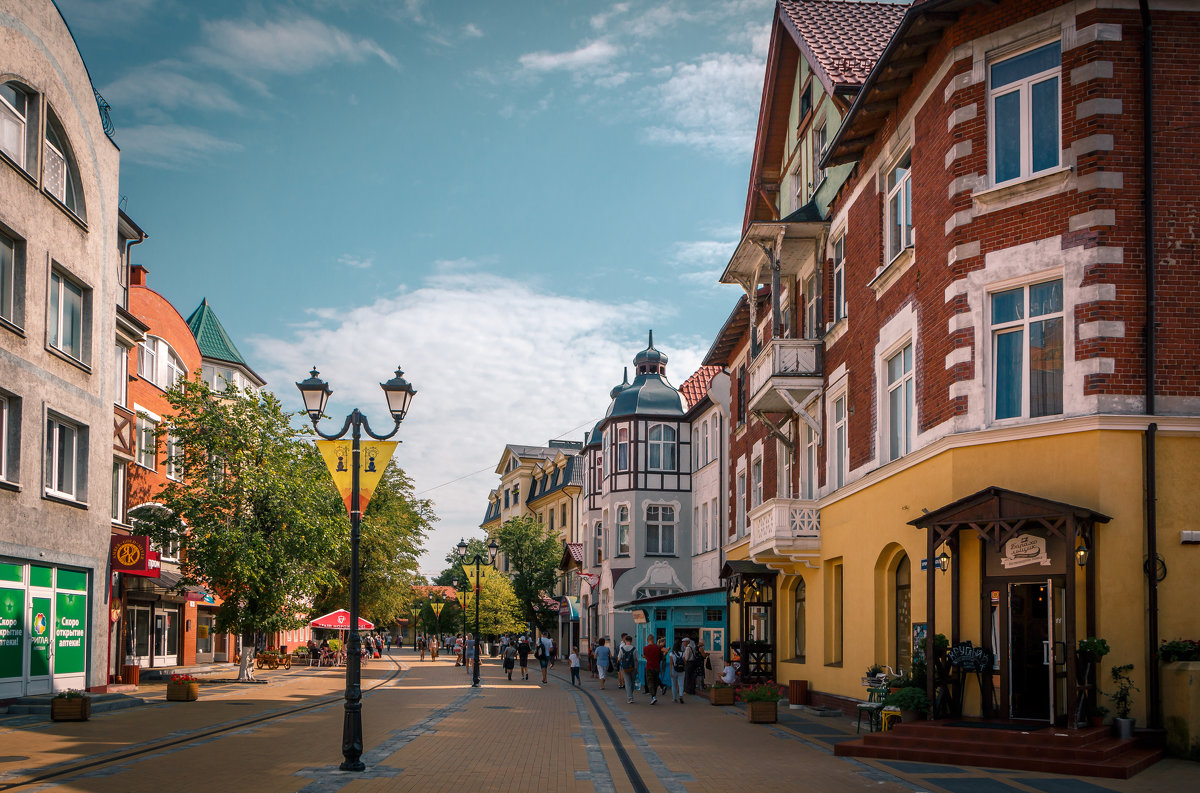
x: 1025, y: 549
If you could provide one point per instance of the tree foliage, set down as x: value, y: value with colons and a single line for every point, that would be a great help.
x: 533, y: 554
x: 499, y: 609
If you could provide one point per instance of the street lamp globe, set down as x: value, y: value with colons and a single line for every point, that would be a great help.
x: 492, y: 549
x: 399, y: 394
x: 462, y: 548
x: 315, y: 392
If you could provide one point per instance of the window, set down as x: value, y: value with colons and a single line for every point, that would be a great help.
x: 806, y: 101
x: 660, y: 530
x: 506, y: 492
x: 1024, y: 103
x: 704, y: 458
x: 716, y: 524
x: 59, y: 172
x: 756, y: 482
x: 14, y: 105
x: 219, y: 378
x: 148, y: 359
x: 1027, y: 347
x: 12, y: 281
x: 623, y: 449
x: 608, y: 444
x: 67, y: 306
x: 66, y: 459
x: 10, y: 436
x: 704, y: 530
x: 841, y: 451
x: 782, y: 453
x: 598, y: 543
x: 809, y: 475
x: 715, y: 448
x: 118, y: 492
x: 174, y: 457
x: 903, y: 615
x: 551, y: 513
x: 820, y: 136
x: 801, y: 619
x: 120, y: 375
x: 900, y: 403
x: 147, y: 443
x: 563, y: 520
x: 623, y: 530
x: 839, y: 278
x: 899, y: 207
x: 662, y: 448
x: 741, y: 504
x: 695, y: 530
x: 741, y: 395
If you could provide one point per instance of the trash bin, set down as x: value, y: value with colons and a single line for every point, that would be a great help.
x: 798, y: 692
x: 130, y: 674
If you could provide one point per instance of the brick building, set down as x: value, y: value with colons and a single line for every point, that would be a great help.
x: 969, y: 385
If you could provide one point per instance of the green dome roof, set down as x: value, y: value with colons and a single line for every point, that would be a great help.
x: 649, y: 393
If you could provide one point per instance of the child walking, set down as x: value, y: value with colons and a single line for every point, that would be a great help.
x: 574, y: 660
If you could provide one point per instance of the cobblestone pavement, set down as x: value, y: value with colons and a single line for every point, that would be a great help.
x: 427, y: 730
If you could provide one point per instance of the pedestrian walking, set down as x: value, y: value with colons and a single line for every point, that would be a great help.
x: 388, y: 642
x: 690, y: 666
x: 546, y: 649
x: 421, y: 647
x: 653, y: 655
x: 458, y: 651
x: 469, y: 653
x: 677, y: 667
x: 433, y: 648
x: 574, y: 661
x: 627, y: 664
x: 509, y: 656
x: 523, y: 650
x: 702, y: 667
x: 603, y: 659
x: 620, y: 677
x: 592, y: 658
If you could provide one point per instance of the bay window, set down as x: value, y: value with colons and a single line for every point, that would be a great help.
x: 1024, y: 104
x: 661, y: 448
x: 660, y: 530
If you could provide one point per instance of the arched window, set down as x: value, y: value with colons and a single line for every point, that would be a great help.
x: 801, y: 619
x: 60, y: 174
x: 662, y: 448
x: 15, y: 107
x: 158, y: 363
x: 903, y: 615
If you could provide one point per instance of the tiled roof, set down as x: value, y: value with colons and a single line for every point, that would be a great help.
x: 845, y: 37
x: 696, y: 387
x: 211, y: 337
x: 576, y: 550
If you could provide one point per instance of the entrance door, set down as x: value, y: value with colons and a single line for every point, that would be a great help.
x: 40, y: 620
x: 1030, y: 651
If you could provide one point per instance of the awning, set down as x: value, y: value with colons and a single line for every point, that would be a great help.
x: 709, y: 598
x: 340, y: 620
x: 568, y: 606
x: 745, y: 567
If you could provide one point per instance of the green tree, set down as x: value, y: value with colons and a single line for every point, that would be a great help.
x: 499, y: 609
x: 391, y: 535
x: 454, y: 565
x: 533, y: 554
x: 256, y: 516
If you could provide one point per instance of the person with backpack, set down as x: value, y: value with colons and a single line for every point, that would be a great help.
x: 510, y: 659
x: 603, y: 659
x: 523, y: 649
x: 677, y: 667
x: 627, y: 665
x: 545, y: 649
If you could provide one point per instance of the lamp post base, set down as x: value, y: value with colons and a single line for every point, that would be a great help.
x: 357, y: 765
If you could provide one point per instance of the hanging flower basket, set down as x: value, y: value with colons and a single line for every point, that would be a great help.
x: 71, y: 706
x: 183, y: 688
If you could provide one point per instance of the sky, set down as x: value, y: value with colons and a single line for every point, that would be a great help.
x: 502, y: 198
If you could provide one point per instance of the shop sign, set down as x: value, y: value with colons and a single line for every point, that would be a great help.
x: 12, y: 631
x: 153, y: 567
x: 70, y: 634
x: 639, y: 617
x: 39, y: 646
x: 1025, y: 549
x: 129, y: 554
x: 201, y: 631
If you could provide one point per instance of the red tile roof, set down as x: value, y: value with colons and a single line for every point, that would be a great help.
x: 696, y: 387
x: 576, y: 549
x: 844, y: 37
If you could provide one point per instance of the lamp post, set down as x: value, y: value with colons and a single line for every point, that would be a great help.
x: 399, y: 394
x: 478, y: 562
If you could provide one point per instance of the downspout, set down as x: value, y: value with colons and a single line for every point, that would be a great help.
x: 1153, y: 682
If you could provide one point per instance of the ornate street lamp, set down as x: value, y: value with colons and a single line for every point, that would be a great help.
x: 399, y: 394
x: 478, y: 562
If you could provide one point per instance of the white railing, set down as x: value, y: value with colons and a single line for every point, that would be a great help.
x: 783, y: 526
x: 785, y: 358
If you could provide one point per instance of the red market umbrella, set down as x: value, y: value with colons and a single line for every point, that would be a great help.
x: 340, y: 620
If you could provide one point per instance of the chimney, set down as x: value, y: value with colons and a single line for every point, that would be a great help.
x: 137, y: 275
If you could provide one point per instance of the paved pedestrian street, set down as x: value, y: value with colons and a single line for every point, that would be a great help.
x: 427, y: 730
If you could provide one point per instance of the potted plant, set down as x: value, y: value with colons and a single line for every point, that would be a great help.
x: 874, y: 673
x: 70, y: 705
x: 183, y: 688
x: 720, y: 694
x: 762, y: 702
x: 1096, y: 715
x: 1122, y: 700
x: 1092, y: 649
x: 912, y: 702
x: 1179, y: 650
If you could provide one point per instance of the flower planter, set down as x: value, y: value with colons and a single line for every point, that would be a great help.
x: 183, y: 692
x: 720, y: 696
x: 73, y: 709
x: 762, y: 712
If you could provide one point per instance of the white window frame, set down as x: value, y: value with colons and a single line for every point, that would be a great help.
x: 704, y: 531
x: 118, y: 491
x: 55, y: 427
x: 70, y: 193
x: 840, y: 309
x: 662, y: 445
x: 897, y: 207
x: 146, y: 453
x: 840, y: 459
x: 809, y: 477
x: 995, y: 330
x: 783, y: 487
x: 906, y: 383
x: 622, y: 448
x: 10, y: 295
x: 60, y: 285
x: 741, y: 503
x: 20, y: 121
x: 622, y: 538
x: 174, y: 469
x: 120, y: 375
x: 655, y: 518
x: 756, y: 482
x: 715, y: 510
x: 1024, y: 88
x: 820, y: 139
x: 704, y: 458
x: 3, y: 438
x: 598, y: 542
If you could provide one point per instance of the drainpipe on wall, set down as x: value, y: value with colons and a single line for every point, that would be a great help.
x: 1153, y: 684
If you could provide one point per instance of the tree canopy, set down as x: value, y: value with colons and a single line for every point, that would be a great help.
x: 533, y: 554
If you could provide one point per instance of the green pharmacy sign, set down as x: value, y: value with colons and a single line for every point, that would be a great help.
x: 70, y: 634
x: 12, y: 631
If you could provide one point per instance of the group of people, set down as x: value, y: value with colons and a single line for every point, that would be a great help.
x: 371, y: 646
x: 518, y: 649
x: 679, y: 670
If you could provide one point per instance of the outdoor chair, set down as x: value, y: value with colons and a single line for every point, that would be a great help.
x: 873, y: 708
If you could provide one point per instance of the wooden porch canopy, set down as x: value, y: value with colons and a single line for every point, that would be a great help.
x: 996, y: 515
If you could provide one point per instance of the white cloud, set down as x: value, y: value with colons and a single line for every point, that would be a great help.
x: 473, y: 344
x: 755, y: 37
x: 169, y: 145
x: 288, y: 46
x: 711, y: 105
x: 471, y: 31
x: 161, y: 85
x: 108, y: 16
x: 357, y: 262
x: 595, y: 54
x: 600, y: 21
x: 613, y: 80
x: 702, y: 261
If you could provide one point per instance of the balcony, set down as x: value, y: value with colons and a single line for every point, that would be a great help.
x: 785, y: 530
x: 784, y: 374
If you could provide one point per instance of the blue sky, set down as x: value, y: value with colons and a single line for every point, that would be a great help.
x: 501, y: 197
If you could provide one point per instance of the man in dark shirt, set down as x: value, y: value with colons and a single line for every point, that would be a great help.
x: 653, y: 655
x: 523, y: 649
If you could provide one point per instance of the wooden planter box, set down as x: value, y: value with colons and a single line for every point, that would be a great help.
x: 720, y: 696
x: 762, y: 712
x: 76, y: 709
x: 183, y: 692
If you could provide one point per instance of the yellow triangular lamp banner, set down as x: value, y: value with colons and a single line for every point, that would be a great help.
x: 484, y: 573
x: 374, y: 457
x: 437, y: 608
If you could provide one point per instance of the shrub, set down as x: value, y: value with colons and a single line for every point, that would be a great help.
x: 769, y: 691
x: 184, y: 679
x: 1122, y: 698
x: 71, y: 693
x: 1179, y: 650
x: 910, y: 698
x: 1091, y: 646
